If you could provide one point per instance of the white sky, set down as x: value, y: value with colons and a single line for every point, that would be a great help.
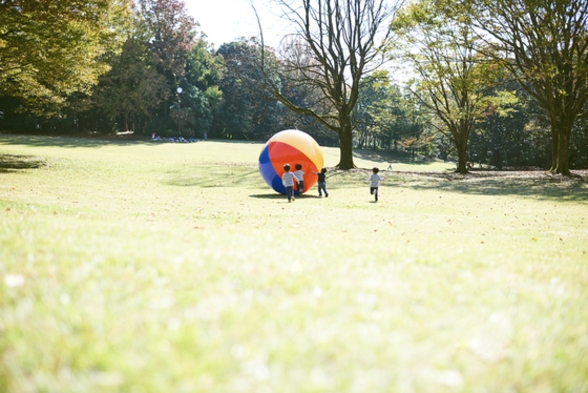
x: 224, y: 21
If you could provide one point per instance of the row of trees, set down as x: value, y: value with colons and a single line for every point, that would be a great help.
x: 502, y: 83
x: 542, y: 45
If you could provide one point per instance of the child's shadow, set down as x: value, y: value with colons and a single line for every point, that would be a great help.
x: 267, y: 196
x: 280, y: 196
x: 305, y: 196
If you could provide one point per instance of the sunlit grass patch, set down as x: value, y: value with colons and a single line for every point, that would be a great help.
x: 170, y: 267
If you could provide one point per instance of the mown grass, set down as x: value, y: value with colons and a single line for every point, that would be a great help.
x: 140, y: 267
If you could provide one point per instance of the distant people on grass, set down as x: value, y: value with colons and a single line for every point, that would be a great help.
x: 288, y: 180
x: 375, y: 181
x: 300, y: 177
x: 322, y: 182
x: 179, y: 139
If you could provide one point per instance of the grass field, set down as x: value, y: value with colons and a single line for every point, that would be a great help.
x: 129, y: 266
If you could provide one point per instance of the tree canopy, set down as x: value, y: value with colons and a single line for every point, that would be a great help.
x: 454, y: 79
x: 544, y: 43
x: 51, y: 49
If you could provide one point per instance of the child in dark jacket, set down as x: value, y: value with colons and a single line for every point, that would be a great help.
x: 322, y: 182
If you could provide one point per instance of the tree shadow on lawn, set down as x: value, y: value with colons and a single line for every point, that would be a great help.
x: 12, y: 163
x: 390, y: 157
x: 96, y: 140
x: 71, y: 142
x: 212, y: 176
x: 530, y: 184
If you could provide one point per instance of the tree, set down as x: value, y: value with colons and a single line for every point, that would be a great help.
x: 336, y: 43
x: 579, y: 149
x: 544, y: 43
x: 51, y: 49
x: 385, y: 116
x: 373, y: 104
x: 170, y: 33
x: 453, y: 78
x: 248, y: 109
x: 500, y: 138
x: 201, y: 94
x: 133, y: 88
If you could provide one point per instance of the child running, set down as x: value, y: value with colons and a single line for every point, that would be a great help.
x: 300, y: 177
x: 288, y: 180
x: 375, y: 181
x: 322, y: 182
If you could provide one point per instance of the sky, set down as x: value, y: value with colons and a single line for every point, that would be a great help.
x: 227, y: 20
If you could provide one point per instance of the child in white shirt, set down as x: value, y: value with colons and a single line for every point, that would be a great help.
x: 375, y: 181
x: 300, y: 177
x: 288, y: 180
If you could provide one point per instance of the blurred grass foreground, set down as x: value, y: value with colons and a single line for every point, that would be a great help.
x: 129, y: 266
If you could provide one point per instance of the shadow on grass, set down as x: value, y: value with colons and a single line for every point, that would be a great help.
x: 390, y: 157
x: 73, y: 141
x: 537, y: 184
x: 211, y: 176
x: 91, y: 141
x: 273, y: 196
x: 276, y: 196
x: 11, y: 163
x: 530, y: 184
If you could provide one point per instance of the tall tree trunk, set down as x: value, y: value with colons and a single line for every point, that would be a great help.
x: 460, y: 138
x: 462, y: 159
x: 554, y: 149
x: 560, y: 147
x: 346, y: 147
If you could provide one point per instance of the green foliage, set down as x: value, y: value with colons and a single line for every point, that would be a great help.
x: 454, y: 78
x: 170, y: 33
x: 543, y: 44
x: 133, y: 88
x: 248, y: 111
x: 502, y: 138
x: 49, y: 50
x: 160, y: 125
x: 201, y: 94
x: 579, y: 145
x: 204, y: 69
x: 161, y: 55
x: 388, y: 118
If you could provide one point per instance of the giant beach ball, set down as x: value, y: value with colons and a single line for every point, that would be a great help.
x: 290, y: 147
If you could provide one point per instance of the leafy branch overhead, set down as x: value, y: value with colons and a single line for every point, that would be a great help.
x: 41, y: 60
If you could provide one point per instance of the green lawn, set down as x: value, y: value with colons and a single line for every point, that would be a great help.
x: 132, y: 266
